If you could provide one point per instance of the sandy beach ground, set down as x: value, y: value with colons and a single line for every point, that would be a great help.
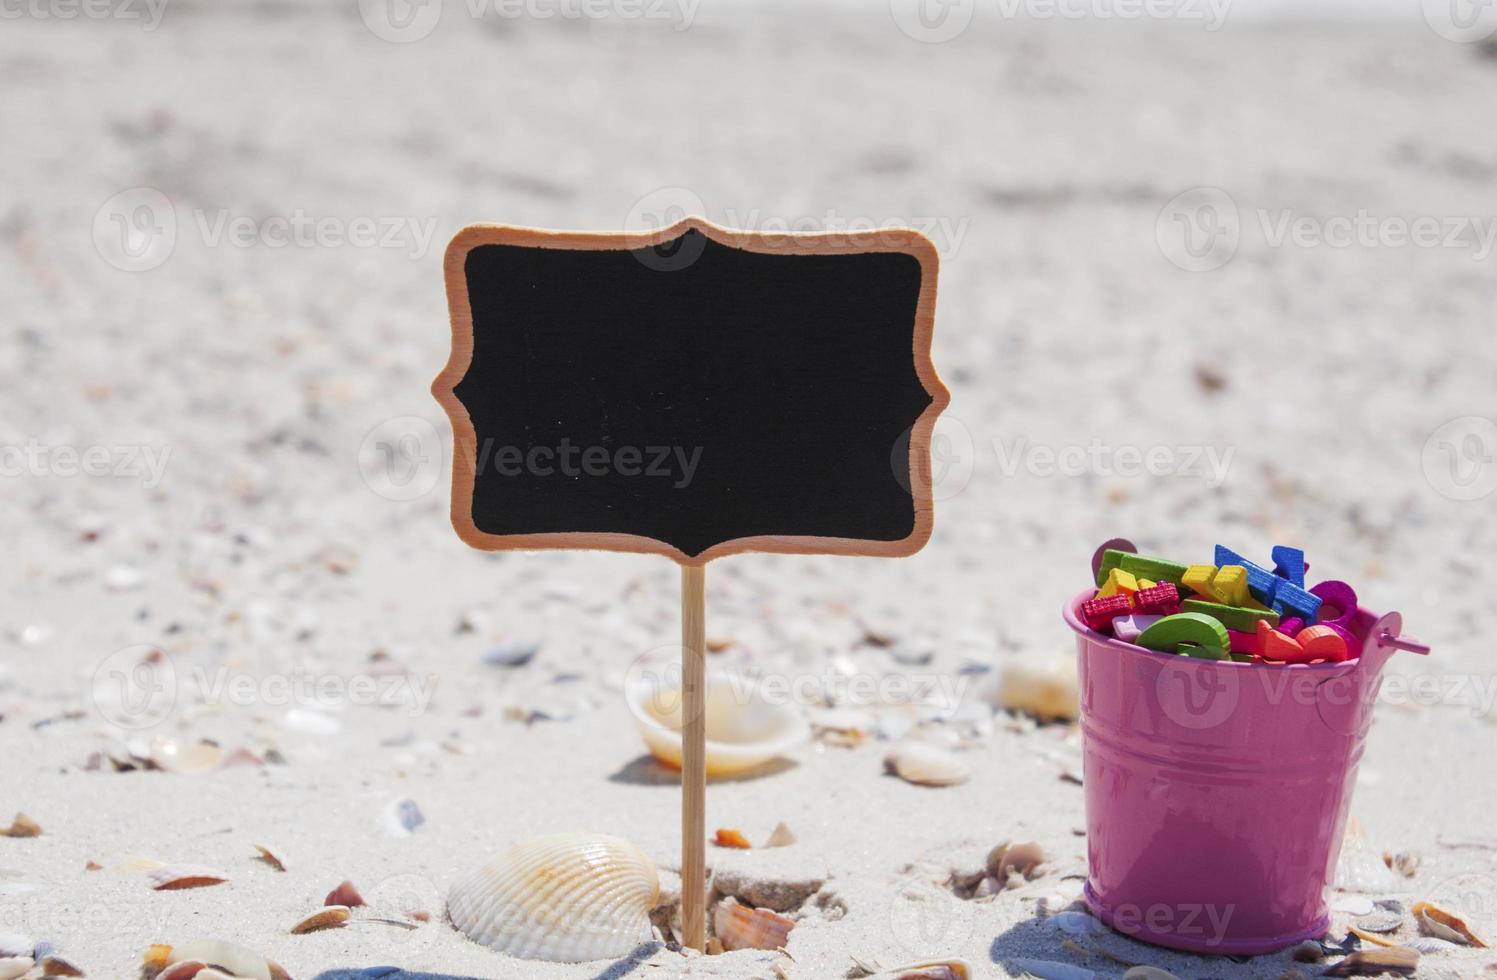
x: 219, y: 443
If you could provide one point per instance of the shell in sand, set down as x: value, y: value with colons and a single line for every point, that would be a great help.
x: 568, y: 898
x: 745, y: 728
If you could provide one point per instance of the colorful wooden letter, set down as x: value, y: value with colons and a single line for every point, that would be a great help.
x: 1193, y: 628
x: 1231, y: 617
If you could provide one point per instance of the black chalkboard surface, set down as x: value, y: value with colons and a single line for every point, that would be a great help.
x: 692, y: 392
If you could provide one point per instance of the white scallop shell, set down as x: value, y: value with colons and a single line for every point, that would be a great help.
x: 744, y: 727
x: 567, y: 898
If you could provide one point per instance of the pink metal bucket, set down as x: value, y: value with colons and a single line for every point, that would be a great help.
x: 1217, y: 792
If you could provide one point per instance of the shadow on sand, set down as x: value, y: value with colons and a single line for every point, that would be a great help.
x: 647, y: 771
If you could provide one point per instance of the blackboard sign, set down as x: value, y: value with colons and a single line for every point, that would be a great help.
x: 693, y: 392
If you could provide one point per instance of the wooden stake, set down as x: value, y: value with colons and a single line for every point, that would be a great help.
x: 694, y: 756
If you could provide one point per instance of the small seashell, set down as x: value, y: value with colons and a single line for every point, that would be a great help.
x: 1308, y: 951
x: 15, y: 966
x: 781, y: 836
x: 186, y: 970
x: 1051, y: 970
x: 22, y: 826
x: 745, y: 728
x: 741, y: 927
x: 1148, y: 973
x: 567, y: 898
x: 926, y: 765
x: 1043, y: 689
x: 511, y: 654
x: 235, y: 961
x: 310, y: 721
x: 1021, y: 858
x: 1380, y: 920
x: 987, y: 887
x: 934, y: 970
x: 1441, y: 924
x: 271, y: 856
x: 170, y: 877
x: 1405, y: 863
x: 1429, y: 944
x: 327, y: 917
x: 193, y: 759
x: 15, y: 944
x: 1352, y: 904
x: 402, y: 817
x: 729, y: 837
x: 156, y: 958
x: 1371, y: 937
x: 1077, y: 924
x: 1399, y: 960
x: 56, y: 966
x: 345, y: 894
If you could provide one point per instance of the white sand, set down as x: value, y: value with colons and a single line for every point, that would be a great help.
x: 1049, y: 153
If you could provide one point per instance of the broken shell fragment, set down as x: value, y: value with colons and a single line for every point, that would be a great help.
x: 271, y: 857
x: 22, y: 826
x: 327, y: 917
x: 933, y: 970
x: 745, y: 728
x: 215, y: 954
x: 1010, y: 859
x: 1441, y: 924
x: 781, y: 836
x: 15, y: 966
x: 1398, y: 960
x: 56, y: 966
x: 926, y: 765
x: 345, y: 894
x: 731, y: 837
x: 171, y: 877
x: 740, y: 927
x: 567, y: 898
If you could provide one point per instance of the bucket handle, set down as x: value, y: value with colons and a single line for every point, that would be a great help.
x: 1400, y: 642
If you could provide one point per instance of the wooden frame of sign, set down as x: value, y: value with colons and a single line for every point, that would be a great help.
x: 909, y: 534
